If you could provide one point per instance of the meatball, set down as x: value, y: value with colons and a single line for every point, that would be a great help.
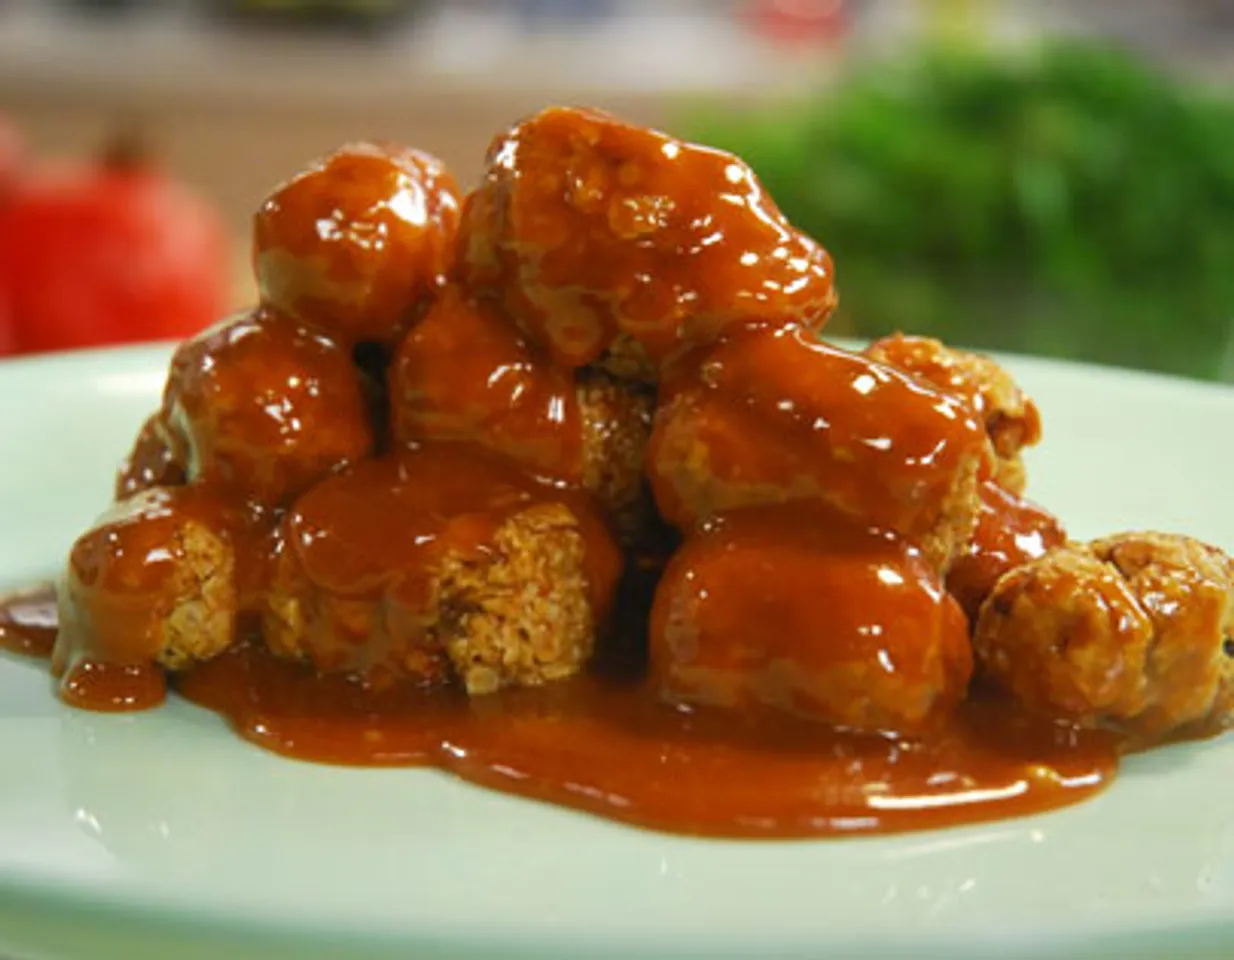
x: 585, y: 228
x: 1132, y: 631
x: 265, y: 407
x: 441, y: 561
x: 356, y: 242
x: 1010, y: 532
x: 796, y: 609
x: 159, y: 579
x: 1010, y: 416
x: 781, y: 417
x: 155, y: 461
x: 463, y: 373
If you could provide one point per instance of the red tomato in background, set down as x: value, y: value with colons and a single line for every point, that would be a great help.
x: 111, y: 253
x: 11, y: 154
x: 799, y: 21
x: 7, y: 340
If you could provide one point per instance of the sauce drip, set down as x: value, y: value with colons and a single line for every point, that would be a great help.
x: 141, y: 575
x: 106, y: 686
x: 28, y: 621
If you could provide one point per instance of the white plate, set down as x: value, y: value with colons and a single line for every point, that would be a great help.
x: 164, y: 836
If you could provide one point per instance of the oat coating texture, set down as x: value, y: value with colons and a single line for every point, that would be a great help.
x: 1131, y: 631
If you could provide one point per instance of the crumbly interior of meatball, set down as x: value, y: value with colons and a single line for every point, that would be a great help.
x: 616, y: 419
x: 516, y: 613
x: 1128, y: 631
x: 627, y: 359
x: 116, y: 606
x: 520, y: 616
x: 956, y: 520
x: 201, y: 623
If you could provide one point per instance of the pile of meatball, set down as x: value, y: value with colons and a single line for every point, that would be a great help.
x: 451, y: 422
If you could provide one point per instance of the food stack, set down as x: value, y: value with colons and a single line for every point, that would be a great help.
x: 451, y: 426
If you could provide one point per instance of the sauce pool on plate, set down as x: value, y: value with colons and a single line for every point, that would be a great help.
x: 606, y: 744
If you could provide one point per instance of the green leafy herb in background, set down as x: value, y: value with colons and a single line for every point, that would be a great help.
x: 1075, y: 202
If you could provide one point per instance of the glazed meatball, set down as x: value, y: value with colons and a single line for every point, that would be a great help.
x: 794, y: 609
x: 1010, y: 416
x: 441, y: 562
x: 464, y: 373
x: 265, y: 407
x: 781, y: 417
x: 1132, y: 631
x: 585, y: 228
x: 155, y: 461
x: 1010, y: 532
x: 357, y: 241
x: 159, y: 579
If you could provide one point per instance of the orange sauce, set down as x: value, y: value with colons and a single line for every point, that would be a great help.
x: 793, y: 608
x: 1010, y: 531
x: 778, y: 417
x: 464, y: 373
x: 354, y: 243
x: 586, y: 228
x: 613, y: 748
x: 374, y: 535
x: 28, y: 621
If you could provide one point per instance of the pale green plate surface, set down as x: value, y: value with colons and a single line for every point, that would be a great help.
x: 163, y: 836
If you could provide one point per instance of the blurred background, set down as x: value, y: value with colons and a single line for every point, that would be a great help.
x: 1031, y: 175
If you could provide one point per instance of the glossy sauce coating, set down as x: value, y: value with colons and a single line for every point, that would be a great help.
x: 585, y: 227
x: 613, y: 749
x: 780, y: 417
x: 798, y: 609
x: 266, y: 407
x: 357, y: 241
x: 1010, y: 416
x: 464, y: 373
x: 388, y: 515
x: 1010, y: 531
x: 378, y: 534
